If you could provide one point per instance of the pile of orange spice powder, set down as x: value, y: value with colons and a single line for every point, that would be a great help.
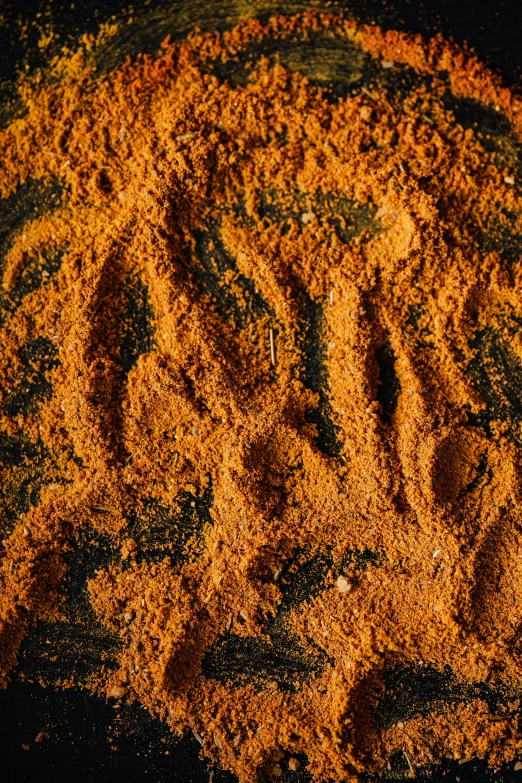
x: 377, y: 208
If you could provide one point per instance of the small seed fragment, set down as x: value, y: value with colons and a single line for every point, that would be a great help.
x: 272, y: 347
x: 307, y: 217
x: 117, y: 692
x: 343, y: 585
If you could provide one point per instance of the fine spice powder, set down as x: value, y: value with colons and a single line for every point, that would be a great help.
x: 323, y: 382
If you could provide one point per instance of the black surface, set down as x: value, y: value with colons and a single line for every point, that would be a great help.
x: 87, y: 739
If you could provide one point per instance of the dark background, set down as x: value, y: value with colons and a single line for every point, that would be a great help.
x: 492, y: 28
x: 86, y: 738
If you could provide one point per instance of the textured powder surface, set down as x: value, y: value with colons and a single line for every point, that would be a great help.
x: 381, y: 443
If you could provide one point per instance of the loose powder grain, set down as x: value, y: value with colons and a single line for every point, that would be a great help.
x: 332, y: 373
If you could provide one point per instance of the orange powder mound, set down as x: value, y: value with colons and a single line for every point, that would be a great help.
x: 247, y: 208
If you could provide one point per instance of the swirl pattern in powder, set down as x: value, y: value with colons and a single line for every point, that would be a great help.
x: 287, y: 306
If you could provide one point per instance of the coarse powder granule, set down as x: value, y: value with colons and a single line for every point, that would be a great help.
x: 384, y: 215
